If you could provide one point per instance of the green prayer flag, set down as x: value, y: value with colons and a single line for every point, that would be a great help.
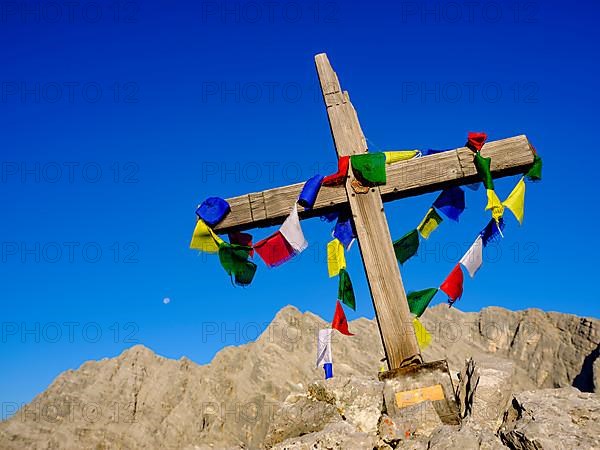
x: 369, y: 168
x: 535, y: 171
x: 419, y: 300
x: 245, y: 273
x: 345, y: 290
x: 234, y: 259
x: 406, y: 246
x: 483, y: 170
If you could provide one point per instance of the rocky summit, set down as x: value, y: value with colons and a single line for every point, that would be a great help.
x: 528, y: 380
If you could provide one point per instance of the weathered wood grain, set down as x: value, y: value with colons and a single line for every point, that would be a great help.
x: 374, y: 240
x: 404, y: 179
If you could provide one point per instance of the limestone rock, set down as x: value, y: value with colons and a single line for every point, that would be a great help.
x: 356, y: 400
x: 493, y: 394
x: 300, y: 415
x: 359, y: 400
x: 337, y: 436
x: 552, y: 419
x: 141, y: 400
x: 597, y: 375
x: 465, y: 392
x: 463, y: 437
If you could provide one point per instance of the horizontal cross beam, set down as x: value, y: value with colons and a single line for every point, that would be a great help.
x: 417, y: 176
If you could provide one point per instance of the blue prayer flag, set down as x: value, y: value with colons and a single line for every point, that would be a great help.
x: 491, y: 231
x: 309, y: 191
x: 213, y: 210
x: 343, y: 230
x: 451, y: 202
x: 328, y: 368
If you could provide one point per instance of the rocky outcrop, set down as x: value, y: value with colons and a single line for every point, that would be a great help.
x: 552, y: 419
x: 534, y: 420
x: 141, y: 400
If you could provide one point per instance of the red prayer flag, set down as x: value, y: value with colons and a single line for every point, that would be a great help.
x: 476, y: 140
x: 340, y: 176
x: 339, y: 320
x: 240, y: 238
x: 274, y: 250
x: 453, y: 284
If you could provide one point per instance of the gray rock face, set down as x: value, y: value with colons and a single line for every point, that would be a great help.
x: 355, y: 401
x: 597, y: 375
x: 552, y: 419
x: 338, y: 436
x: 141, y: 400
x: 465, y: 437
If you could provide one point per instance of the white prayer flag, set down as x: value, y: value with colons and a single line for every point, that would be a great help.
x: 473, y: 259
x: 292, y: 232
x: 324, y: 347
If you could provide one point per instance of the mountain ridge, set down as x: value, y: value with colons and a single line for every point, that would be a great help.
x: 140, y: 399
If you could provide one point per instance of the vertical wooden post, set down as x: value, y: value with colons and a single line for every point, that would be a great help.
x: 377, y: 251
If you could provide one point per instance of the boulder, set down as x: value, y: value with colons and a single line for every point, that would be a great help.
x: 300, y: 415
x: 464, y: 437
x: 359, y: 400
x: 493, y: 394
x: 552, y: 419
x: 336, y: 436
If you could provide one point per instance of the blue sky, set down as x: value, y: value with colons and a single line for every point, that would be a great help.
x: 116, y: 121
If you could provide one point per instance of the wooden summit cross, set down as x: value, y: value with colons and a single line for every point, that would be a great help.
x: 408, y: 178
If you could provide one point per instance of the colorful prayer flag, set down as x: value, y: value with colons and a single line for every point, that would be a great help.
x: 419, y: 300
x: 274, y: 250
x: 535, y: 171
x: 494, y: 204
x: 336, y: 260
x: 239, y: 238
x: 204, y: 238
x: 324, y: 347
x: 451, y: 202
x: 483, y: 170
x: 476, y: 140
x: 429, y: 223
x: 292, y: 231
x: 339, y: 321
x: 310, y: 190
x: 343, y: 230
x: 400, y: 155
x: 369, y: 168
x: 345, y: 290
x: 234, y: 259
x: 491, y: 231
x: 473, y: 259
x: 431, y: 151
x: 329, y: 217
x: 453, y: 284
x: 213, y: 210
x: 328, y: 368
x: 339, y: 177
x: 516, y: 201
x: 423, y: 336
x: 406, y: 247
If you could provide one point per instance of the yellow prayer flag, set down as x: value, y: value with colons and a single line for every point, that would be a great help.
x: 205, y: 239
x: 429, y: 223
x: 516, y: 201
x: 423, y: 336
x: 400, y: 155
x: 494, y: 204
x: 336, y: 259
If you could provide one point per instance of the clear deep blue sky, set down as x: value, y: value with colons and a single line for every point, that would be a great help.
x: 117, y: 121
